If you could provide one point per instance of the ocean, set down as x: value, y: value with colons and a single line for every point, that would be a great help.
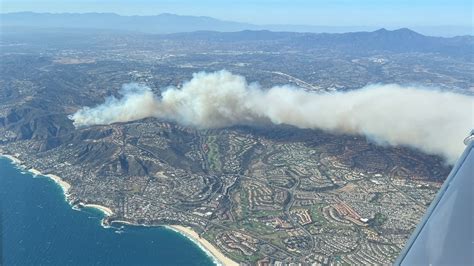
x: 38, y: 227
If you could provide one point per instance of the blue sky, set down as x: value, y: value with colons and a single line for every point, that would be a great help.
x: 388, y: 13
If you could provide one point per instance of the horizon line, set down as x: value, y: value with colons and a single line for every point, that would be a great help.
x: 398, y: 26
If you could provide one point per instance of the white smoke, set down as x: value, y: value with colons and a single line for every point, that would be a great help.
x: 430, y: 120
x: 137, y: 102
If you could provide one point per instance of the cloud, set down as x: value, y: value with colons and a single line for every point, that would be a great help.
x: 427, y: 119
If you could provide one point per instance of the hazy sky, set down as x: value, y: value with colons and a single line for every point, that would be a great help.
x: 309, y: 12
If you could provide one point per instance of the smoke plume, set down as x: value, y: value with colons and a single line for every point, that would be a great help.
x: 430, y: 120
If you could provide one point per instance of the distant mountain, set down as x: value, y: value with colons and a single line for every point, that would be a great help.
x: 401, y: 40
x: 361, y: 43
x: 171, y: 23
x: 163, y: 23
x: 398, y: 41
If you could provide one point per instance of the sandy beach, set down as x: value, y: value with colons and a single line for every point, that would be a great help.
x: 186, y: 231
x: 128, y: 223
x: 217, y: 254
x: 34, y: 171
x: 203, y: 243
x: 63, y: 184
x: 105, y: 210
x: 11, y: 158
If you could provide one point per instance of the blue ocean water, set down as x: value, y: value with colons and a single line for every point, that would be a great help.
x: 38, y: 227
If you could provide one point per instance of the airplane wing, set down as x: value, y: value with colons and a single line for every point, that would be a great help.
x: 445, y: 234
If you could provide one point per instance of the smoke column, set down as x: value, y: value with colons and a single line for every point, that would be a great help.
x: 430, y: 120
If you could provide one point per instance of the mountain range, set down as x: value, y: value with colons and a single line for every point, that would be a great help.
x: 172, y: 23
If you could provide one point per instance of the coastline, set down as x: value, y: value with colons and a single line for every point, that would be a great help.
x: 11, y: 158
x: 106, y: 211
x: 65, y: 186
x: 203, y: 244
